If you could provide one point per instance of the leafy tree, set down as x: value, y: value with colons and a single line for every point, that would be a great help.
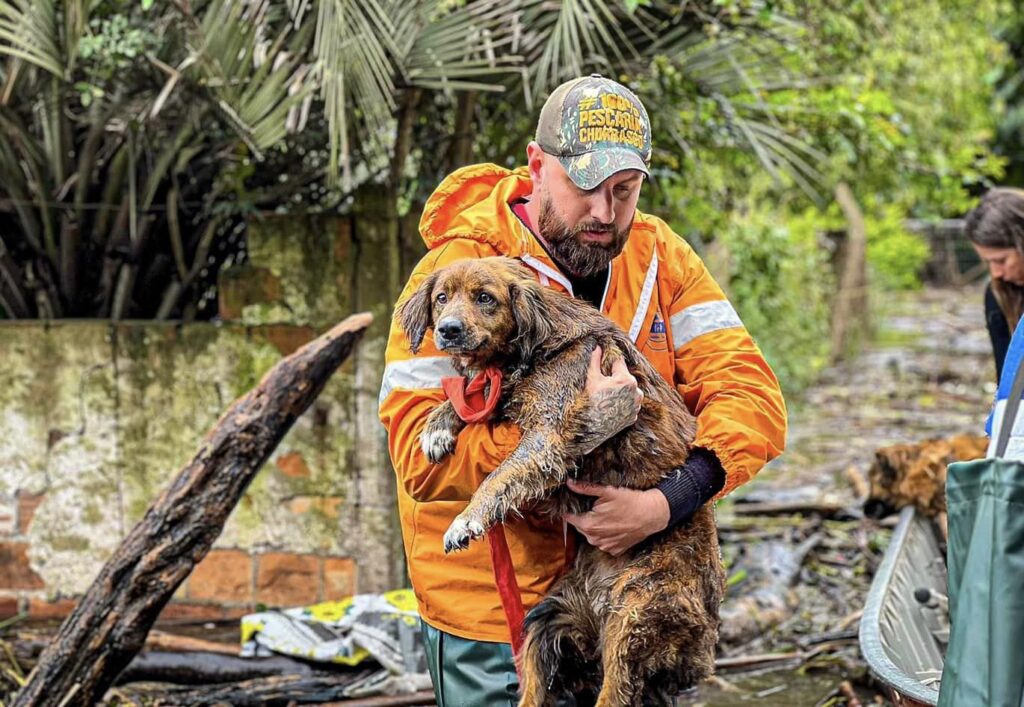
x: 896, y: 100
x: 139, y: 137
x: 1010, y: 92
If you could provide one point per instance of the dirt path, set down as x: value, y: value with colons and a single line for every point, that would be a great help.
x: 930, y: 373
x: 798, y: 581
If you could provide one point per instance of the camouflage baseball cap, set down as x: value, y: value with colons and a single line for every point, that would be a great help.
x: 595, y: 127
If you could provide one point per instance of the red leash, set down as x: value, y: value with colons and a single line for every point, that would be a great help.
x: 472, y: 406
x: 508, y: 587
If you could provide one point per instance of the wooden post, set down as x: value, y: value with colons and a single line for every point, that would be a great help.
x: 850, y: 312
x: 110, y: 623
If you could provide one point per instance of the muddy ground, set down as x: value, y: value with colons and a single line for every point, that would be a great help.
x: 929, y: 373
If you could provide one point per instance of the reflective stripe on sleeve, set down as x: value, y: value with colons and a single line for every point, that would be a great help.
x: 416, y: 373
x: 699, y: 319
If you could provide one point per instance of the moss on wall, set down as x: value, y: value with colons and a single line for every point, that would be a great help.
x: 100, y: 417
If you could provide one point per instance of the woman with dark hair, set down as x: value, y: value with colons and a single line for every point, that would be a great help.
x: 996, y: 230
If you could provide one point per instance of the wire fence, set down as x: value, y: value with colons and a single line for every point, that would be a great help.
x: 953, y: 261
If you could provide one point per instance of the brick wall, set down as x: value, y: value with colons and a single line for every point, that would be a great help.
x: 96, y: 418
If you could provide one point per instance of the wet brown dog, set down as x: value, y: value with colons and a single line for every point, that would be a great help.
x: 915, y: 474
x: 615, y: 629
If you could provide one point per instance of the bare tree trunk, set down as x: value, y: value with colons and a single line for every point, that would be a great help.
x: 403, y: 146
x: 69, y: 258
x: 850, y: 312
x: 462, y: 146
x: 201, y: 668
x: 110, y: 623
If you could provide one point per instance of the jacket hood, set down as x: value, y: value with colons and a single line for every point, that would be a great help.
x: 465, y: 204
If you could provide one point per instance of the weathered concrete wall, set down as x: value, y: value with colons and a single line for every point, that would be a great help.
x: 95, y: 419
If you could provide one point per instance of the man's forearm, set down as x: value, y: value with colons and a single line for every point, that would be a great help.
x: 609, y: 412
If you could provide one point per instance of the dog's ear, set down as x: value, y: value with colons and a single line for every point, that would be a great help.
x: 415, y: 314
x: 532, y: 317
x: 881, y: 472
x: 891, y: 461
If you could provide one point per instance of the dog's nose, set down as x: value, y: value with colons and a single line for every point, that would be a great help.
x: 877, y: 508
x: 449, y: 328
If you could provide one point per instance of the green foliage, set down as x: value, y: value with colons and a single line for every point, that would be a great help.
x: 138, y: 136
x: 125, y: 148
x: 1009, y: 80
x: 111, y: 51
x: 114, y: 44
x: 779, y: 282
x: 904, y: 107
x: 180, y: 119
x: 895, y: 99
x: 895, y: 255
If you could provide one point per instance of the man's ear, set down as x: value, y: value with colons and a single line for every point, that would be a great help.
x: 532, y: 317
x: 535, y: 162
x: 415, y: 314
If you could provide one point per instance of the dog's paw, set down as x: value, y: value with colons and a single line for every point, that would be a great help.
x: 437, y: 444
x: 460, y: 533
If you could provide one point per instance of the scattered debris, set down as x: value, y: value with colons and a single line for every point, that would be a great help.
x: 930, y: 376
x: 800, y: 554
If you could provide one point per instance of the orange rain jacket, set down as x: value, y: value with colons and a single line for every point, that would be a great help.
x: 658, y: 291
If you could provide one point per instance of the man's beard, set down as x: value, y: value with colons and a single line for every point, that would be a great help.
x: 580, y: 258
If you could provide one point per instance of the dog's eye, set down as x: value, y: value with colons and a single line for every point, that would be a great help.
x: 484, y: 298
x: 441, y: 298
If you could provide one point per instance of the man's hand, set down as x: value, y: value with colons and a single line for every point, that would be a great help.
x: 620, y: 517
x: 614, y: 402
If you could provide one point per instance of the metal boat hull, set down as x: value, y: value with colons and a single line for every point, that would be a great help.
x: 895, y: 635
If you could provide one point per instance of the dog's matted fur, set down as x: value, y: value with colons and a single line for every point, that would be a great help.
x: 914, y: 474
x: 629, y: 627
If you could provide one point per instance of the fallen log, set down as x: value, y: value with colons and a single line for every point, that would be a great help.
x: 424, y: 697
x: 261, y: 692
x: 163, y: 641
x: 202, y: 668
x: 109, y: 625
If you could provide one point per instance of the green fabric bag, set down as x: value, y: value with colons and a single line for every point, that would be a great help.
x: 984, y: 664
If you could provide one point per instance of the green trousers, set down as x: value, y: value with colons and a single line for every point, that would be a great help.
x: 469, y: 673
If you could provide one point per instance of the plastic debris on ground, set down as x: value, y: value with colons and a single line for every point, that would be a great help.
x: 366, y: 627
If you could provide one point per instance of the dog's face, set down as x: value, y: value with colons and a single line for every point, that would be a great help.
x: 915, y: 474
x: 480, y: 311
x: 884, y: 477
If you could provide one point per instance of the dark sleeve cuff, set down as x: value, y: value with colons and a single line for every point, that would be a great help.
x: 692, y: 485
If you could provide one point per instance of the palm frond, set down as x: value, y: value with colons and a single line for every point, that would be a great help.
x: 355, y: 47
x: 28, y: 30
x: 253, y: 94
x: 76, y: 19
x: 739, y: 70
x: 568, y: 38
x: 462, y: 47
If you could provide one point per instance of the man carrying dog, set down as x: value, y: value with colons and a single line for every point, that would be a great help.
x: 570, y: 215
